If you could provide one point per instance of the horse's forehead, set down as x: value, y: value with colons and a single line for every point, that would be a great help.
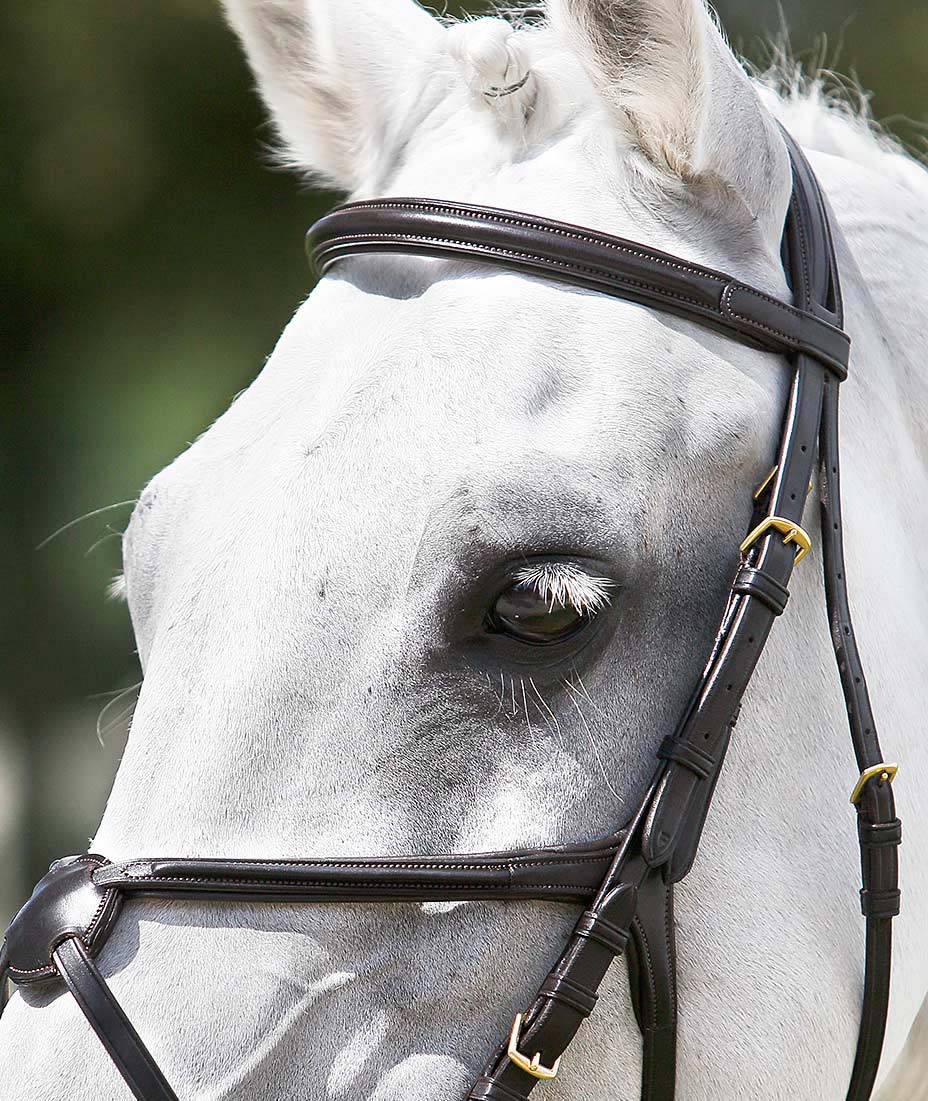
x: 385, y: 430
x: 473, y: 380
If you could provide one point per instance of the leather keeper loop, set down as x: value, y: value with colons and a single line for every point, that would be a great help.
x: 562, y: 989
x: 751, y: 581
x: 699, y: 763
x: 485, y: 1089
x: 879, y: 904
x: 597, y: 928
x: 877, y: 834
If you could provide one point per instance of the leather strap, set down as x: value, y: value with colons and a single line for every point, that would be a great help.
x: 652, y: 972
x: 568, y: 253
x: 4, y: 978
x: 106, y: 1017
x: 563, y: 874
x: 879, y: 830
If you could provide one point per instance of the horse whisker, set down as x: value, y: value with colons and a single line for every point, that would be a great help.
x: 80, y: 519
x: 557, y: 725
x: 589, y: 733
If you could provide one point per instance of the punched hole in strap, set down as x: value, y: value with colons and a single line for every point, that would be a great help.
x: 699, y: 763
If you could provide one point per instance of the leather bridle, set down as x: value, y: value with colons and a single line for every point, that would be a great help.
x: 626, y: 881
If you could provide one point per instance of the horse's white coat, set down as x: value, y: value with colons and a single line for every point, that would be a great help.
x: 309, y: 580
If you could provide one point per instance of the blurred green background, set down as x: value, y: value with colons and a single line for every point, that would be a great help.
x: 151, y: 260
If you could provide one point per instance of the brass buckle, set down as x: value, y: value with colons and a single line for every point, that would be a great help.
x: 530, y: 1066
x: 886, y: 772
x: 792, y: 533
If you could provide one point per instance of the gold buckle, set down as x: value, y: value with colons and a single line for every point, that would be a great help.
x: 530, y: 1066
x: 886, y: 772
x: 792, y: 533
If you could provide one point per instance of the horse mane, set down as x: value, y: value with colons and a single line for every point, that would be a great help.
x: 830, y: 113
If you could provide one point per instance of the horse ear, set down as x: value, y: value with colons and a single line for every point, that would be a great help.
x: 682, y: 98
x: 343, y: 79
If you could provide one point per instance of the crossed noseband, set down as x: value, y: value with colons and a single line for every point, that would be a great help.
x: 625, y: 882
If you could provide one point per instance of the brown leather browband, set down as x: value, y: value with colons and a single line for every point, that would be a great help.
x: 625, y: 882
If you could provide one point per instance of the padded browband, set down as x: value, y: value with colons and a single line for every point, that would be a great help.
x: 568, y: 253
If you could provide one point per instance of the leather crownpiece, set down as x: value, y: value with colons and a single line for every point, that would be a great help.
x: 65, y: 903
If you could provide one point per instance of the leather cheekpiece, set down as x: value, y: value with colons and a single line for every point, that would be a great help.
x: 66, y: 903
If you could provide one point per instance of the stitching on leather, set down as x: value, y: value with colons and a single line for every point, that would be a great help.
x: 670, y: 938
x: 777, y: 303
x: 647, y: 956
x: 803, y: 249
x: 374, y: 884
x: 49, y: 968
x: 798, y: 342
x: 517, y: 254
x: 795, y: 342
x: 90, y: 930
x: 784, y: 336
x: 603, y: 240
x: 604, y: 855
x: 93, y: 925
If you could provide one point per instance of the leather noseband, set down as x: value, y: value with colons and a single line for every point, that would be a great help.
x: 625, y: 882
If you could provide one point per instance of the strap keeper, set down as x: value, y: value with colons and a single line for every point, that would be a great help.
x: 699, y: 763
x: 486, y: 1089
x: 562, y: 989
x: 751, y: 581
x: 880, y: 904
x: 604, y: 932
x: 877, y: 834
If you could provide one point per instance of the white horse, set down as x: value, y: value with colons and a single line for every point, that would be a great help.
x: 310, y: 584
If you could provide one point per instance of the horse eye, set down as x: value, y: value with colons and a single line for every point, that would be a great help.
x: 524, y: 614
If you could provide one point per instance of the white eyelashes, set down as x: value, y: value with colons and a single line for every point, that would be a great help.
x: 567, y: 585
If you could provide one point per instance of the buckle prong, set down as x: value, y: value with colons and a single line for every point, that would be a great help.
x: 885, y: 771
x: 791, y: 532
x: 530, y: 1066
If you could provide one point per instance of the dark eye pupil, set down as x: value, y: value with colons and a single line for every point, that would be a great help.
x: 524, y: 614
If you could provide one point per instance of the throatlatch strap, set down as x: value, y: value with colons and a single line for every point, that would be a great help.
x: 879, y: 831
x: 109, y: 1021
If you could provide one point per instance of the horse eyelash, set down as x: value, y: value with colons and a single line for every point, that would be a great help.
x: 566, y: 584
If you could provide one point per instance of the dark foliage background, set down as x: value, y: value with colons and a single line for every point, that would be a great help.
x: 151, y: 260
